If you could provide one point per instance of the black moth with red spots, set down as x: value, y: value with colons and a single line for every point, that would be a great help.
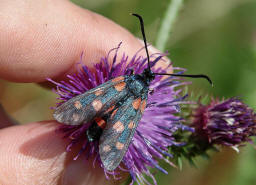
x: 114, y: 109
x: 115, y: 113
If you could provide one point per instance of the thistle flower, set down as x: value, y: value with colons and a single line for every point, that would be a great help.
x: 229, y: 122
x: 154, y: 134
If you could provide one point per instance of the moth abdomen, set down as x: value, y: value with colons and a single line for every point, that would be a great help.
x: 95, y: 130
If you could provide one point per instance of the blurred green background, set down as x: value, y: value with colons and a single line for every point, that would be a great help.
x: 214, y: 37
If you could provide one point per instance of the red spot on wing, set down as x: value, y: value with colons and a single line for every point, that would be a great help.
x: 118, y: 79
x: 78, y: 104
x: 136, y: 103
x: 98, y: 92
x: 106, y: 148
x: 97, y: 105
x: 143, y: 106
x: 118, y: 126
x: 119, y: 146
x: 131, y: 125
x: 120, y: 86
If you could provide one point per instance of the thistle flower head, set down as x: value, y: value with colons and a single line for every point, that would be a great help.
x: 154, y: 133
x: 229, y: 122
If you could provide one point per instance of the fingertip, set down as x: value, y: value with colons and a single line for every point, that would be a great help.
x: 28, y: 151
x: 36, y: 154
x: 50, y: 42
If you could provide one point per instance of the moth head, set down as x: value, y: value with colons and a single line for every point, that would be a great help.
x: 148, y: 75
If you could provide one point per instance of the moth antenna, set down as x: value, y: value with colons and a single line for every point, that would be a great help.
x: 143, y: 34
x: 190, y: 76
x: 145, y: 43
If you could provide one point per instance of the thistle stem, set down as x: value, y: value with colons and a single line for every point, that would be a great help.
x: 167, y: 23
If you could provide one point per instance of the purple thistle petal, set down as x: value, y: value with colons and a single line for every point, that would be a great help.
x: 229, y: 123
x: 154, y: 134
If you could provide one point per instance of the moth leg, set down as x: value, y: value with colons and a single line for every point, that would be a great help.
x: 151, y: 91
x: 130, y: 72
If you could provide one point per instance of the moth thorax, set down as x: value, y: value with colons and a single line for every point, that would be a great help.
x: 137, y: 85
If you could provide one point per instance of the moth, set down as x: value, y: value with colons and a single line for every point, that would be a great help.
x: 114, y: 108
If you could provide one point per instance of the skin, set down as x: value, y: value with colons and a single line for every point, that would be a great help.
x: 40, y: 39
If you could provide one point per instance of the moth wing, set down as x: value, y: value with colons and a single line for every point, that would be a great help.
x: 118, y: 134
x: 84, y: 107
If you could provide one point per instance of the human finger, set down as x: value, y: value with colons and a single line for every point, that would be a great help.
x: 35, y: 154
x: 44, y: 39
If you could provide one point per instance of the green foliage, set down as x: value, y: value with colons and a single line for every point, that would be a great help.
x: 193, y: 148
